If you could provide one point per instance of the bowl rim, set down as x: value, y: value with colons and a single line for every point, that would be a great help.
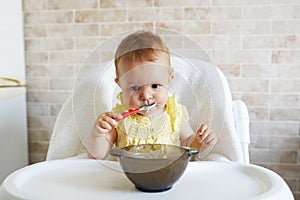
x: 124, y: 153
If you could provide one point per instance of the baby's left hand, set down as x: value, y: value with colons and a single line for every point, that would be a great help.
x: 205, y: 136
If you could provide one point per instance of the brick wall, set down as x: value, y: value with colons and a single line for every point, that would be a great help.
x: 256, y: 43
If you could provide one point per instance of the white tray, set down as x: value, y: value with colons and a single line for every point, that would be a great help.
x: 91, y: 179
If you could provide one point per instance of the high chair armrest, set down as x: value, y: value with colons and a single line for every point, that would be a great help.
x: 241, y: 122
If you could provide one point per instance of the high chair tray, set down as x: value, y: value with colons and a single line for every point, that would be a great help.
x: 92, y: 179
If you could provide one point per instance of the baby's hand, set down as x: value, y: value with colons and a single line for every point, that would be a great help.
x: 102, y: 136
x: 106, y: 122
x: 205, y: 136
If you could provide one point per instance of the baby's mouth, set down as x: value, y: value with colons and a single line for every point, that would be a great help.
x: 151, y: 112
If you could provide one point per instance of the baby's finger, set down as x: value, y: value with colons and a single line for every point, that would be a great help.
x: 202, y: 136
x: 202, y: 132
x: 104, y: 125
x: 102, y: 130
x: 109, y: 118
x: 111, y: 115
x: 202, y: 129
x: 117, y: 116
x: 112, y: 119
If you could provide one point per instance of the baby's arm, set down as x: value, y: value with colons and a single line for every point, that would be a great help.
x: 186, y: 135
x: 102, y: 136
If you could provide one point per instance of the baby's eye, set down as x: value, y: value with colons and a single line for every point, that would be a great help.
x: 135, y: 88
x: 155, y: 86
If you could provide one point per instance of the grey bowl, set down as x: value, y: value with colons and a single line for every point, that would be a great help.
x: 153, y: 167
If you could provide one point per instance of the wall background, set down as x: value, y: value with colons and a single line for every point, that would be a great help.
x: 256, y: 43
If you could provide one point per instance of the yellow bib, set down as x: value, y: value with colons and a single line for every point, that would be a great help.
x: 160, y: 129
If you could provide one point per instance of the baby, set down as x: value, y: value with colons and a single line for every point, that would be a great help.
x: 144, y: 74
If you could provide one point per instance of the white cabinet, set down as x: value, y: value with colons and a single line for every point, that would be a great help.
x: 13, y: 123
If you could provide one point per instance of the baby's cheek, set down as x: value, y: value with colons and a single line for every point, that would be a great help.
x: 132, y: 102
x: 164, y: 97
x: 162, y: 101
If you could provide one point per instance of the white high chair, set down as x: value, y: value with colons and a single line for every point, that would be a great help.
x: 213, y: 100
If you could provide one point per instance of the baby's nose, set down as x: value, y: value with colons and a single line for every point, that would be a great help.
x: 146, y: 93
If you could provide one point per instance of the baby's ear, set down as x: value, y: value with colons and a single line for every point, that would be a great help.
x: 171, y: 77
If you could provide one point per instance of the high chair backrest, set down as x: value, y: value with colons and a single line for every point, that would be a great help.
x: 201, y: 86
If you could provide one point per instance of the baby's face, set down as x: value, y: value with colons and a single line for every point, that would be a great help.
x: 144, y: 83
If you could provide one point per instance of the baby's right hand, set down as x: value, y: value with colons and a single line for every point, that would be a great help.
x: 102, y: 136
x: 107, y: 121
